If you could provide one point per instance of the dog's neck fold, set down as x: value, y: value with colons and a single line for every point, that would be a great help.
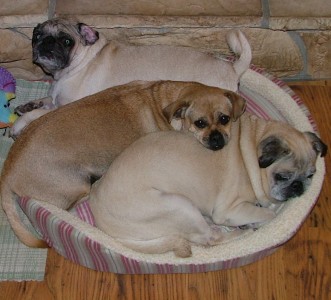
x: 82, y: 59
x: 253, y: 131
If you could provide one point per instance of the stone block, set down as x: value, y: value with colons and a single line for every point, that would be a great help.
x: 23, y: 7
x: 276, y: 52
x: 128, y: 21
x: 16, y: 52
x: 23, y: 13
x: 300, y: 23
x: 160, y: 7
x: 300, y: 8
x: 16, y: 45
x: 318, y: 45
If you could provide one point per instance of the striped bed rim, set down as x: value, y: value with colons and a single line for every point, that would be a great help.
x: 81, y: 249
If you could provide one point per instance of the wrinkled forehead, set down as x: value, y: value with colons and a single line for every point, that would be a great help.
x: 303, y: 159
x: 212, y: 101
x: 302, y: 147
x: 54, y: 27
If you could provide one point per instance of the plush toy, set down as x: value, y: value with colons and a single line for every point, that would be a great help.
x: 7, y: 92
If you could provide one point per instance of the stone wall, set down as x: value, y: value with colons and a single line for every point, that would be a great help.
x: 291, y: 39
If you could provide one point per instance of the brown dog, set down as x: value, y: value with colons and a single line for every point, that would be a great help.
x: 61, y: 153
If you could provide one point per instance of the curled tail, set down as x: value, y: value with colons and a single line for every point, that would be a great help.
x: 238, y: 43
x: 23, y: 234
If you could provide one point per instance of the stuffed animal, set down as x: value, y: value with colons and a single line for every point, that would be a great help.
x: 7, y: 92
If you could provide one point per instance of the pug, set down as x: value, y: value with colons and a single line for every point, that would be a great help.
x: 82, y: 62
x: 160, y: 192
x: 63, y: 152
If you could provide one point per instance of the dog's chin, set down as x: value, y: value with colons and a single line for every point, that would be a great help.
x: 215, y: 147
x: 50, y: 65
x: 50, y: 62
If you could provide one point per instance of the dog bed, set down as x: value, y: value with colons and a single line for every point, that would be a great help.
x: 73, y: 235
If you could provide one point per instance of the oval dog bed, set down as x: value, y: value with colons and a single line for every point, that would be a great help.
x: 73, y: 235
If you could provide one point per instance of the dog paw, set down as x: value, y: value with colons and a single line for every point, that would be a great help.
x: 183, y: 249
x: 16, y: 129
x: 249, y: 227
x: 268, y: 217
x: 24, y: 108
x: 244, y: 227
x: 219, y: 236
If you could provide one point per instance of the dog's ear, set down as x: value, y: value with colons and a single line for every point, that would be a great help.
x: 36, y: 29
x: 176, y: 110
x: 89, y: 35
x: 36, y: 34
x: 238, y: 104
x: 271, y: 149
x: 317, y: 143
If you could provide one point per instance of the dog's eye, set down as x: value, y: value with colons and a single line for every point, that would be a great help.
x: 310, y: 176
x: 67, y: 42
x: 36, y: 37
x: 200, y: 123
x: 282, y: 177
x: 224, y: 119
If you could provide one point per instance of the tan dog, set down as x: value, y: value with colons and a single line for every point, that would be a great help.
x: 82, y: 62
x: 61, y: 153
x: 157, y: 193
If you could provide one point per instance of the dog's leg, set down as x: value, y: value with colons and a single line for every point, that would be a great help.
x: 245, y: 213
x: 180, y: 246
x: 24, y: 120
x: 176, y: 224
x: 189, y: 221
x: 46, y: 103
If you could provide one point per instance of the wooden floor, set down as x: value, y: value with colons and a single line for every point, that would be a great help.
x: 301, y: 269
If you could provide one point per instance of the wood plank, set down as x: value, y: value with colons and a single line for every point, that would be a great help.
x: 301, y: 269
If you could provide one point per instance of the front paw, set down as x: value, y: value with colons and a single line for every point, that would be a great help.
x: 17, y: 128
x: 270, y: 215
x: 24, y: 108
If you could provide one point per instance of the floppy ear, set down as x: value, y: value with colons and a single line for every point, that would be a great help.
x: 176, y: 110
x: 270, y: 150
x: 35, y: 33
x: 37, y: 27
x: 89, y: 35
x: 317, y: 143
x: 238, y: 104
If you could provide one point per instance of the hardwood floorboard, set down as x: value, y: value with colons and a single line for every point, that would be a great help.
x: 300, y: 269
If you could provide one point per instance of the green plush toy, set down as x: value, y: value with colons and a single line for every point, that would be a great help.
x: 7, y: 92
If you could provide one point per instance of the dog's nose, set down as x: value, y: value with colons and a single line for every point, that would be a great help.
x: 47, y: 44
x: 216, y: 140
x: 49, y: 40
x: 297, y: 188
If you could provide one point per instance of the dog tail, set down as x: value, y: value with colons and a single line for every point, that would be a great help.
x: 238, y: 43
x: 23, y: 234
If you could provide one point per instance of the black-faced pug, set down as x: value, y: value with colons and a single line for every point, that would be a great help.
x: 82, y: 62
